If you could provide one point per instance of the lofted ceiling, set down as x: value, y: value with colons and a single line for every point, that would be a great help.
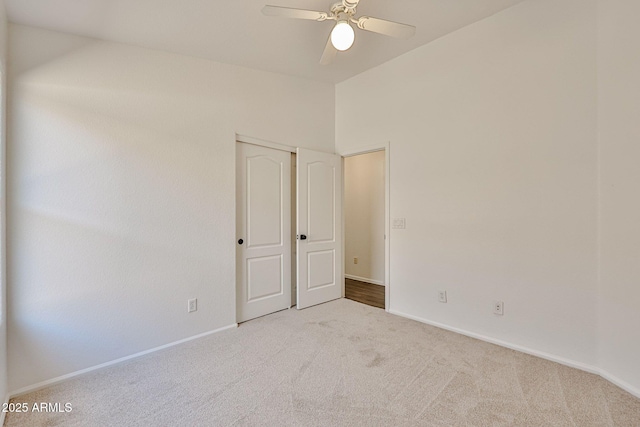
x: 236, y: 32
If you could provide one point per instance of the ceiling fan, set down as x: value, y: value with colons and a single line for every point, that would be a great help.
x: 343, y: 35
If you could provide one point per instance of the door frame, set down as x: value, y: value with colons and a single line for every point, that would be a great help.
x: 264, y: 143
x: 282, y: 147
x: 384, y: 146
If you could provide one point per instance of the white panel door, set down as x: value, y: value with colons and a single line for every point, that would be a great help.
x: 263, y: 227
x: 319, y: 212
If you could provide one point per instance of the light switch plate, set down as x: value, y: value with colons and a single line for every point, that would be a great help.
x: 399, y: 223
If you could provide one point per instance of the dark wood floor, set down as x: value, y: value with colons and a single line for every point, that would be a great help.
x: 365, y: 293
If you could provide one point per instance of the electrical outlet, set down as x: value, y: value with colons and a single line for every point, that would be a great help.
x: 192, y: 305
x: 498, y: 308
x: 355, y: 260
x: 442, y: 296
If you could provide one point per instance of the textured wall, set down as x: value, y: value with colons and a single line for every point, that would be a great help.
x: 619, y: 137
x: 122, y: 194
x: 493, y: 164
x: 3, y: 275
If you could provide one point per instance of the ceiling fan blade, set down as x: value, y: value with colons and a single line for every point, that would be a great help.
x: 288, y: 12
x: 388, y: 28
x: 329, y: 53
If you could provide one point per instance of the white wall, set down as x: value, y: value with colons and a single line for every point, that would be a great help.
x: 3, y: 272
x: 121, y: 193
x: 364, y: 216
x: 493, y: 165
x: 121, y: 185
x: 619, y: 138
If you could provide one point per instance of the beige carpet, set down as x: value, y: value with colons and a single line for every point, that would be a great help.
x: 337, y: 364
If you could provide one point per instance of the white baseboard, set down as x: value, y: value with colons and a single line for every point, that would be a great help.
x: 364, y: 279
x: 43, y: 384
x: 563, y: 361
x: 622, y: 384
x: 567, y: 362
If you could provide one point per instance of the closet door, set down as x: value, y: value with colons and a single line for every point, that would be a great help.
x: 263, y: 227
x: 319, y: 227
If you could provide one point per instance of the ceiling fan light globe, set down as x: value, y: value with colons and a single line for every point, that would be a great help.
x: 342, y: 36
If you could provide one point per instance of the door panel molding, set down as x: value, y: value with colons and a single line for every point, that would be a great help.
x: 266, y: 292
x: 319, y: 217
x: 263, y: 224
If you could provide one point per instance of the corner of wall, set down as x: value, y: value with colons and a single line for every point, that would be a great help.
x: 618, y: 337
x: 3, y: 276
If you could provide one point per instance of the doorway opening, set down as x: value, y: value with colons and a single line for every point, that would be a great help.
x: 365, y: 220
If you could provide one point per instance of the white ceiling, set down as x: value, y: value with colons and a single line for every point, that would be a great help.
x: 236, y: 32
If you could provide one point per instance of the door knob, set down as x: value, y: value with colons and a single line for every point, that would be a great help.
x: 303, y: 237
x: 240, y: 241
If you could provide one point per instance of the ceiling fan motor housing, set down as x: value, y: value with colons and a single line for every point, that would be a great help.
x: 350, y: 5
x: 344, y: 6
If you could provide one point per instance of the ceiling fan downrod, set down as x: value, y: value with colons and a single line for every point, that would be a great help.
x: 350, y: 6
x: 344, y: 7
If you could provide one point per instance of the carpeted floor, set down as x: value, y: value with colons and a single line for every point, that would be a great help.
x: 337, y: 364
